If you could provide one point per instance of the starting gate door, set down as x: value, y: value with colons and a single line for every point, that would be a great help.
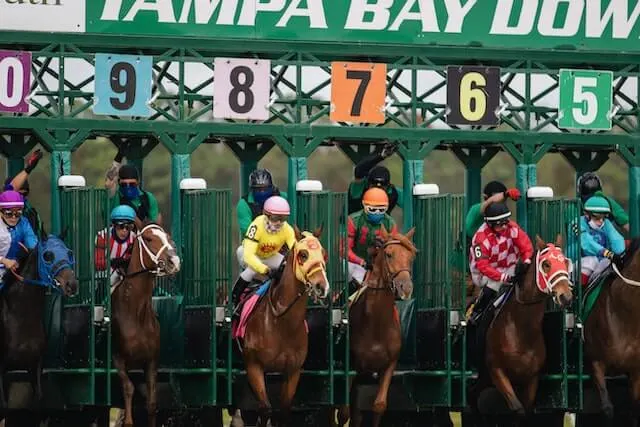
x: 562, y: 384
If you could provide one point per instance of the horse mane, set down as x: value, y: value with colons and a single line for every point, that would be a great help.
x: 26, y: 259
x: 404, y: 241
x: 633, y: 248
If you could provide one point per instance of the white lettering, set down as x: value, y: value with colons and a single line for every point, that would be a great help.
x: 314, y: 11
x: 526, y: 19
x: 622, y: 24
x: 111, y: 11
x: 251, y: 8
x: 456, y: 14
x: 11, y: 96
x: 358, y: 9
x: 426, y: 13
x: 571, y: 22
x: 164, y: 9
x: 204, y: 10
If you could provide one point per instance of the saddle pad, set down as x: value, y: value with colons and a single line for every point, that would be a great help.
x: 240, y: 328
x: 590, y: 297
x: 354, y: 297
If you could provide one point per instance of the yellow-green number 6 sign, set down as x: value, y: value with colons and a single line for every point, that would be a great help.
x: 473, y: 95
x: 586, y: 98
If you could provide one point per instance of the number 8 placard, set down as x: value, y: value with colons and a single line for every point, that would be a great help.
x: 241, y: 88
x: 123, y: 85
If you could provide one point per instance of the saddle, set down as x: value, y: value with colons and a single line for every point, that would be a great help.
x: 594, y: 287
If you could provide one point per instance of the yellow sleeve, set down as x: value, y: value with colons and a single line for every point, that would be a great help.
x: 250, y: 247
x: 290, y: 237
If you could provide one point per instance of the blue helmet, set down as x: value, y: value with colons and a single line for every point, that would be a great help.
x: 123, y: 213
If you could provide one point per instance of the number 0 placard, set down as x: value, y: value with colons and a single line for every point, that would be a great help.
x: 15, y: 80
x: 586, y: 97
x: 123, y: 85
x: 241, y: 88
x: 358, y: 91
x: 473, y: 95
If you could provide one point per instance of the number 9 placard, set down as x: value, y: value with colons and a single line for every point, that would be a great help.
x: 241, y: 88
x: 123, y: 85
x: 473, y: 95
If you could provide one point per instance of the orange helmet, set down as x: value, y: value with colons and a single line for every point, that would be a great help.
x: 375, y: 197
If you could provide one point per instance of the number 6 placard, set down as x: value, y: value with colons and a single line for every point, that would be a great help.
x: 241, y: 88
x: 473, y: 95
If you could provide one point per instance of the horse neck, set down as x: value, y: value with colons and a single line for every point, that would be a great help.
x: 137, y: 288
x: 623, y: 294
x: 23, y: 294
x: 382, y: 297
x: 533, y: 312
x: 288, y: 290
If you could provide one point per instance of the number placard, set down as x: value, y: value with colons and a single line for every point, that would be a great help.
x: 15, y: 81
x: 358, y: 91
x: 123, y: 85
x: 473, y: 95
x: 586, y: 98
x: 241, y: 88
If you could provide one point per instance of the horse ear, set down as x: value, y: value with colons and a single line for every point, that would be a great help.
x: 559, y: 240
x: 383, y: 232
x: 410, y: 233
x: 318, y: 231
x: 297, y: 232
x: 63, y: 235
x: 138, y: 223
x: 540, y: 243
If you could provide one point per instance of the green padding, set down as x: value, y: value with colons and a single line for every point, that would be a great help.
x: 590, y: 300
x: 407, y: 311
x: 170, y: 314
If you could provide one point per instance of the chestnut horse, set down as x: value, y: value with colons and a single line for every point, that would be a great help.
x: 136, y: 331
x: 612, y: 332
x: 376, y: 338
x: 515, y: 345
x: 276, y: 338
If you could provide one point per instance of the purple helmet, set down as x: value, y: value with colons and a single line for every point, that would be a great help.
x: 11, y: 199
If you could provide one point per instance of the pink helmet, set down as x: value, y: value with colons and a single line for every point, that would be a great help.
x: 11, y: 199
x: 276, y: 205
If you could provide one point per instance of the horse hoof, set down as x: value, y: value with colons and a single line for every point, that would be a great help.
x: 236, y: 421
x: 607, y: 409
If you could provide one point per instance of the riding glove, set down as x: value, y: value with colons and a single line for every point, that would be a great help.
x: 34, y: 158
x: 507, y: 279
x: 512, y: 193
x: 608, y: 254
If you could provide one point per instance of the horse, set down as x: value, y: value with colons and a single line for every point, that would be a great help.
x: 22, y: 304
x: 611, y: 332
x: 515, y: 348
x: 135, y: 327
x: 276, y: 338
x: 375, y: 335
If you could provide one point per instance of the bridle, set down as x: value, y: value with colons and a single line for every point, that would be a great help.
x: 545, y: 282
x: 389, y: 276
x: 160, y: 264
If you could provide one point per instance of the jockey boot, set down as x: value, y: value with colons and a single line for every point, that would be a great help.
x: 486, y: 297
x: 238, y: 289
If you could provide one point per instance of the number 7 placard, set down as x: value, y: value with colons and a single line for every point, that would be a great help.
x: 358, y: 92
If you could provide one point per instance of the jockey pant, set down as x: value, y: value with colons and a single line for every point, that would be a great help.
x: 239, y: 255
x: 592, y: 265
x: 115, y: 277
x: 273, y: 262
x: 481, y: 281
x: 356, y: 272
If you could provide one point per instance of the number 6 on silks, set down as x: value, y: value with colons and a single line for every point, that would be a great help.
x: 123, y: 85
x: 241, y: 88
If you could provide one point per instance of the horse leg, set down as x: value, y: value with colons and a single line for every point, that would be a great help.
x: 380, y: 404
x: 530, y: 392
x: 36, y: 383
x: 151, y: 373
x: 127, y: 389
x: 288, y: 390
x: 601, y: 384
x: 634, y: 379
x: 343, y: 410
x: 502, y: 383
x: 255, y: 375
x: 4, y: 390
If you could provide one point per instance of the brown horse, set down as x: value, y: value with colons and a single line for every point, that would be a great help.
x: 376, y: 338
x: 136, y: 331
x: 515, y: 345
x: 612, y: 334
x: 276, y: 339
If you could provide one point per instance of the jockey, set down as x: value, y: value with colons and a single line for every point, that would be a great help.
x: 494, y: 191
x: 589, y: 184
x: 250, y: 206
x: 495, y: 250
x: 260, y: 250
x: 600, y: 242
x: 121, y: 238
x: 14, y: 230
x: 362, y: 229
x: 21, y: 184
x: 129, y: 193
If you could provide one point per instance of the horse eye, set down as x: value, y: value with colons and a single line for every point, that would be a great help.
x: 303, y: 256
x: 48, y: 256
x: 389, y: 255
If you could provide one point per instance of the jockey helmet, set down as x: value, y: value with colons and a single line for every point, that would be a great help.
x: 128, y: 172
x: 260, y: 178
x: 123, y: 214
x: 494, y: 187
x: 379, y: 177
x: 588, y: 184
x: 375, y: 197
x: 11, y: 199
x: 276, y: 210
x: 597, y: 204
x: 497, y: 214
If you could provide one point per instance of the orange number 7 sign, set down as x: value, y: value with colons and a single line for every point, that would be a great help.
x: 358, y: 92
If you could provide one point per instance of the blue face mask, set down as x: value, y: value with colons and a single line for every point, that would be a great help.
x: 261, y: 196
x: 375, y: 218
x: 129, y: 192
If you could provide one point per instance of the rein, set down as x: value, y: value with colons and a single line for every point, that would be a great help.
x: 155, y: 258
x: 390, y: 276
x: 624, y: 279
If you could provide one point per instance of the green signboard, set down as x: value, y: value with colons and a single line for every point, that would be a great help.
x: 586, y: 98
x: 604, y: 25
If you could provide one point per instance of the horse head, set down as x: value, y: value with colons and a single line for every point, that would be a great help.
x: 553, y: 271
x: 55, y: 265
x: 309, y: 262
x: 157, y: 250
x: 395, y: 257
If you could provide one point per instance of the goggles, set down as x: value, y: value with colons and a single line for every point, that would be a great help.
x: 499, y: 223
x: 277, y: 218
x: 12, y: 213
x: 128, y: 184
x: 597, y: 216
x: 375, y: 209
x: 123, y: 226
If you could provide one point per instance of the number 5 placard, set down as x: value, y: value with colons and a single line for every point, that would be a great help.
x: 358, y: 91
x: 241, y: 88
x: 586, y: 97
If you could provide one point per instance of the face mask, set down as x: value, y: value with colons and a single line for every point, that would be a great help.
x: 375, y: 218
x: 261, y: 196
x: 129, y: 192
x: 272, y: 227
x: 595, y: 226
